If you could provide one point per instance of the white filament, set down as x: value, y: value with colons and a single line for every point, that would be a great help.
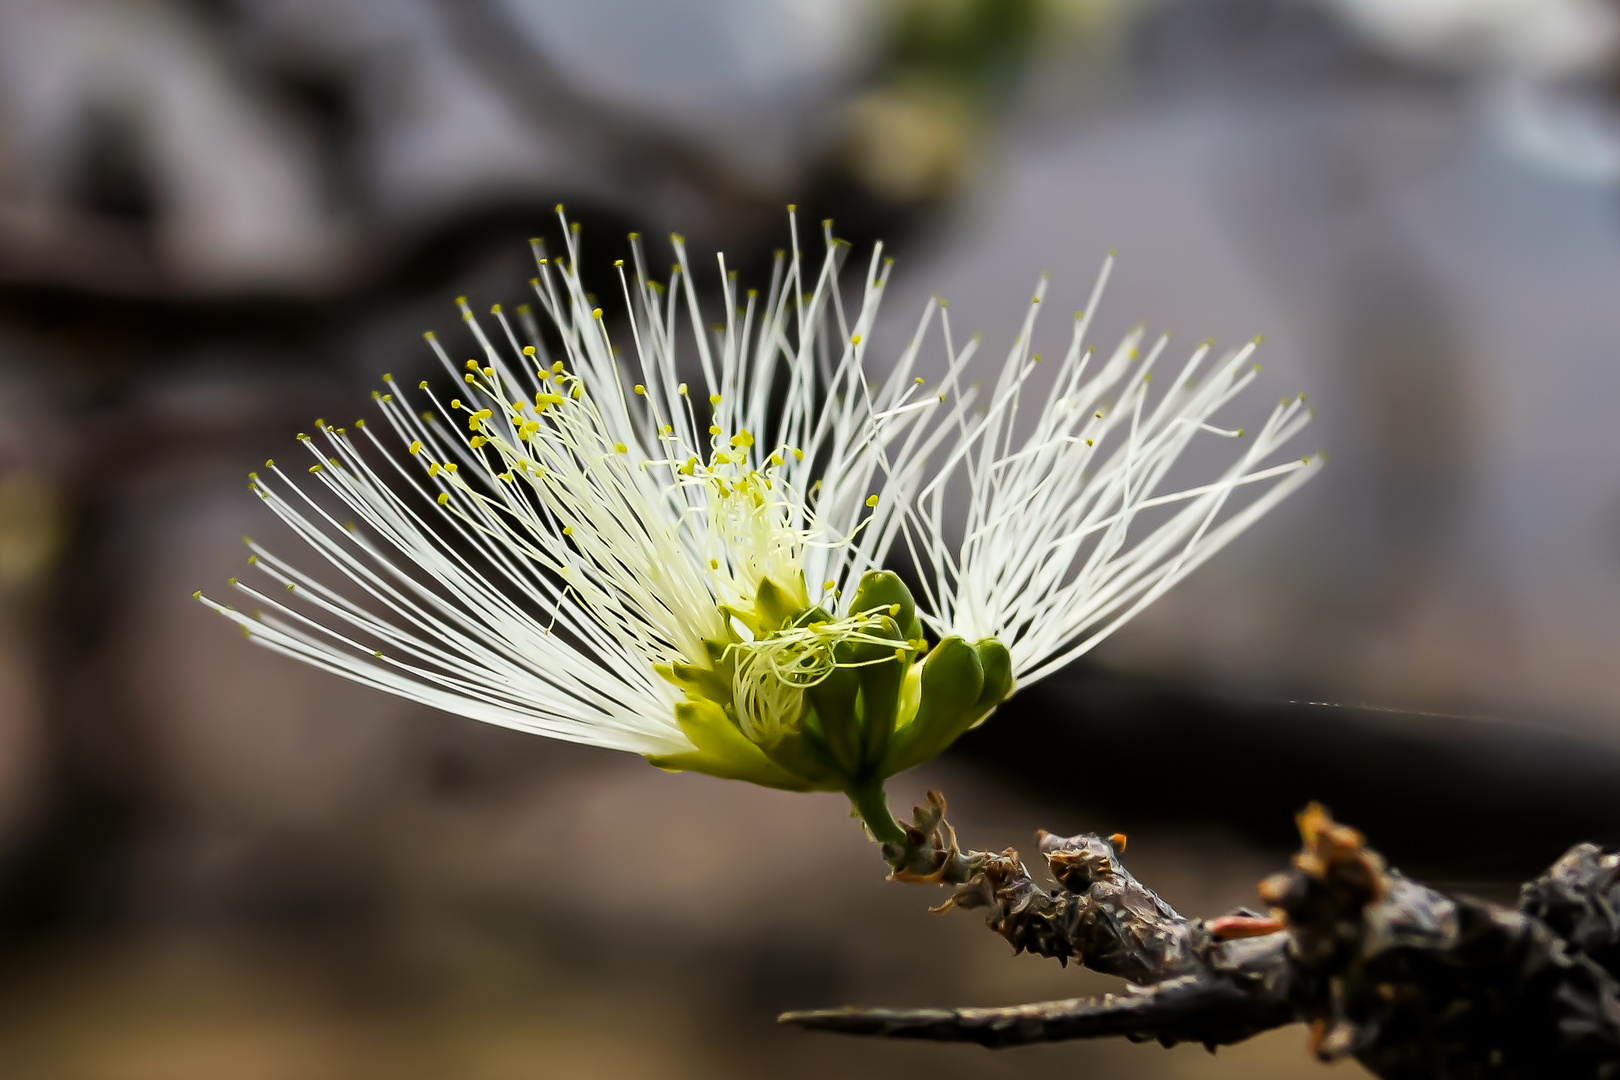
x: 526, y: 552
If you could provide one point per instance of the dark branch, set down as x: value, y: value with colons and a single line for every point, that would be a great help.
x: 1412, y: 982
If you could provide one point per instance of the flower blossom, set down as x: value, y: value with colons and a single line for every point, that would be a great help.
x: 677, y: 538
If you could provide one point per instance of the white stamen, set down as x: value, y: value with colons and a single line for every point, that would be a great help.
x: 533, y: 547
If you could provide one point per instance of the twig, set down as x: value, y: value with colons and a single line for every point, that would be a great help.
x: 1412, y: 982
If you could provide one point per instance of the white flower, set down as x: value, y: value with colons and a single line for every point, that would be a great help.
x: 679, y: 550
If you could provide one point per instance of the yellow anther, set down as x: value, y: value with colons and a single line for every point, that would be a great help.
x: 568, y: 530
x: 471, y: 365
x: 422, y: 385
x: 253, y: 476
x: 315, y: 468
x: 320, y: 423
x: 557, y: 368
x: 506, y: 476
x: 528, y: 350
x: 416, y: 446
x: 666, y: 430
x: 302, y: 437
x: 360, y: 422
x: 596, y: 313
x: 197, y: 595
x: 798, y: 455
x: 714, y: 399
x: 489, y: 373
x: 388, y: 376
x: 332, y: 461
x: 1090, y: 443
x: 253, y: 560
x: 620, y: 447
x: 444, y: 497
x: 829, y: 583
x: 899, y: 654
x: 855, y: 339
x: 433, y: 469
x: 681, y: 389
x: 577, y: 392
x: 642, y: 390
x: 713, y: 430
x: 871, y: 500
x: 451, y: 467
x: 714, y: 564
x: 269, y: 463
x: 477, y: 441
x: 894, y: 609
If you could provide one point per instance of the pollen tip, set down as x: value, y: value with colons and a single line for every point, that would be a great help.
x: 197, y: 595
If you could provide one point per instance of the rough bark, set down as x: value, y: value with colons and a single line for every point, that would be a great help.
x: 1414, y: 983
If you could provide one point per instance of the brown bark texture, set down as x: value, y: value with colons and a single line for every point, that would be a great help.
x: 1413, y: 982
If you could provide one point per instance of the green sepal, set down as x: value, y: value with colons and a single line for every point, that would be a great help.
x: 723, y: 751
x: 802, y: 751
x: 697, y: 681
x: 833, y: 702
x: 774, y: 606
x: 877, y: 706
x: 996, y: 662
x: 881, y: 589
x: 948, y: 703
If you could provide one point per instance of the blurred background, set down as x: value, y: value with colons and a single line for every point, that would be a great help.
x: 222, y: 218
